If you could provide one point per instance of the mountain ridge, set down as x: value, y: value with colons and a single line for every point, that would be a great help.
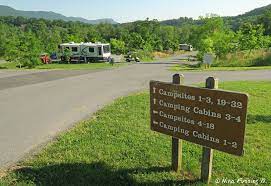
x: 235, y: 21
x: 50, y: 15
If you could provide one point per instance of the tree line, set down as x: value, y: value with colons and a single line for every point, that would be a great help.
x: 20, y: 36
x: 24, y: 39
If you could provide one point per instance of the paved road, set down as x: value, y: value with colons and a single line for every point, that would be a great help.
x: 28, y: 78
x: 178, y: 59
x: 33, y: 111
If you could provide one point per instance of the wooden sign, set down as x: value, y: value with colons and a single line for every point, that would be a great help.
x: 212, y: 118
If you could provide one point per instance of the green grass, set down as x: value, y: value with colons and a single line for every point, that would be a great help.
x: 90, y: 66
x: 254, y: 58
x: 178, y: 68
x: 79, y: 66
x: 8, y: 65
x: 239, y: 61
x: 117, y: 147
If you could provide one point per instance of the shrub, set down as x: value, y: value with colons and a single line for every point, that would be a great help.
x: 145, y: 55
x: 31, y: 62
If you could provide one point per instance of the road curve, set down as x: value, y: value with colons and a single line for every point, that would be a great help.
x: 32, y: 113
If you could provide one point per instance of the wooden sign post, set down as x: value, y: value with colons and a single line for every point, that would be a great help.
x: 176, y: 143
x: 207, y: 153
x: 209, y: 117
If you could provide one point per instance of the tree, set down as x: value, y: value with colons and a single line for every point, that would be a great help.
x: 117, y: 46
x: 30, y: 50
x: 224, y: 42
x: 169, y: 38
x: 11, y: 44
x: 251, y: 37
x: 212, y: 36
x: 134, y: 41
x: 265, y: 20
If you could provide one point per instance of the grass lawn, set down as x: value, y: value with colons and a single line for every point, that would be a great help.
x: 64, y: 66
x: 117, y: 147
x: 179, y: 68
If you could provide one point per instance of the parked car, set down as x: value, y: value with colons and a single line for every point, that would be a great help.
x: 53, y: 56
x: 132, y: 56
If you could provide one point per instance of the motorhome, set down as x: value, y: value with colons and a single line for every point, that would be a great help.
x: 186, y: 47
x: 87, y: 52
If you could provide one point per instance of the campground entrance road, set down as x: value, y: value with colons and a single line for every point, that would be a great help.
x: 32, y: 111
x: 17, y: 79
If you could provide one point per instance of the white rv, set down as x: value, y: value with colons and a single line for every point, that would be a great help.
x: 86, y: 52
x: 186, y: 47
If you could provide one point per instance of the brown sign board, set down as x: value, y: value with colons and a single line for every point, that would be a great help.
x: 208, y: 117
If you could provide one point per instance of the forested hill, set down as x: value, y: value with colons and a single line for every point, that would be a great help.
x: 233, y: 21
x: 251, y: 16
x: 257, y: 11
x: 179, y: 22
x: 8, y: 11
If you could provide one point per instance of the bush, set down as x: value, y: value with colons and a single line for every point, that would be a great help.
x: 31, y: 62
x: 145, y: 55
x: 67, y: 55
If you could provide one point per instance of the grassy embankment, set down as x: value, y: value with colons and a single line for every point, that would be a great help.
x: 56, y: 66
x: 117, y: 147
x: 154, y: 56
x: 245, y: 60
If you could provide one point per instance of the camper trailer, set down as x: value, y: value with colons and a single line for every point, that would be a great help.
x: 87, y: 52
x: 186, y: 47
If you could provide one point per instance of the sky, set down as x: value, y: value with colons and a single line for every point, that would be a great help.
x: 131, y: 10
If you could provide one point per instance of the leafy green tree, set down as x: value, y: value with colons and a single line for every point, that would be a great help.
x: 251, y: 37
x: 210, y: 37
x: 3, y: 38
x: 30, y: 51
x: 135, y: 41
x: 265, y: 20
x: 169, y: 38
x: 11, y: 44
x: 224, y: 42
x: 117, y: 46
x: 93, y: 36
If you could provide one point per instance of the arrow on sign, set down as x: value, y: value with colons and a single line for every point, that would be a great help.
x: 155, y: 123
x: 155, y: 112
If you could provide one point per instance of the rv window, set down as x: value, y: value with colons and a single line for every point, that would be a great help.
x: 74, y: 49
x: 91, y: 49
x: 106, y: 48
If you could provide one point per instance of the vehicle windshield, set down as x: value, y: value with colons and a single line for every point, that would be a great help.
x: 106, y: 48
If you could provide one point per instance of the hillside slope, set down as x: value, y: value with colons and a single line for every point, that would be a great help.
x: 8, y: 11
x: 234, y: 21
